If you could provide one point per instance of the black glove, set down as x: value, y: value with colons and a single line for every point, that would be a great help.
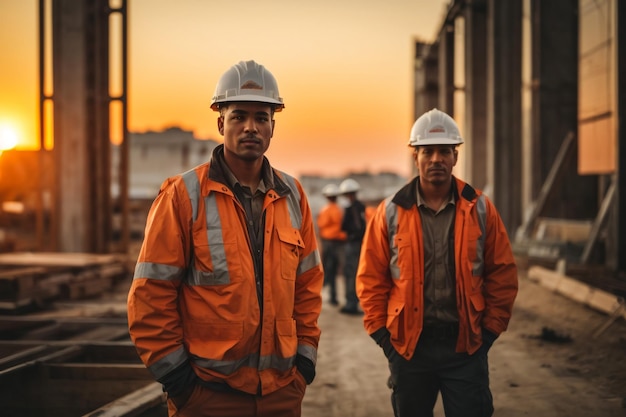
x: 179, y: 384
x: 306, y: 368
x: 488, y: 339
x: 383, y: 338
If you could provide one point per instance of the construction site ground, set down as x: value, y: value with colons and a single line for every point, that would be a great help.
x: 558, y: 358
x: 548, y: 363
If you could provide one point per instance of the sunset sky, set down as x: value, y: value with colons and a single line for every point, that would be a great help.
x: 344, y: 69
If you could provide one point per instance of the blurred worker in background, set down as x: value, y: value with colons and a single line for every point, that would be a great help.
x: 437, y: 281
x: 333, y: 238
x: 224, y: 304
x: 354, y: 225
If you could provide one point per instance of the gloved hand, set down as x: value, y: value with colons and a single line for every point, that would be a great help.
x: 179, y: 384
x: 383, y: 338
x: 306, y: 368
x: 488, y: 339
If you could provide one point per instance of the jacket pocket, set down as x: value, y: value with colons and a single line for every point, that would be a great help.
x: 291, y: 245
x: 286, y: 337
x: 395, y: 320
x: 475, y: 254
x: 405, y: 258
x: 477, y: 307
x: 212, y: 340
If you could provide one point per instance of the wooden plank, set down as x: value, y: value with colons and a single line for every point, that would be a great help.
x: 21, y: 356
x: 133, y: 404
x: 59, y: 259
x: 98, y: 371
x: 101, y: 333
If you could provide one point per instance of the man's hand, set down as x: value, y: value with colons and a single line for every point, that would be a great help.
x: 306, y: 368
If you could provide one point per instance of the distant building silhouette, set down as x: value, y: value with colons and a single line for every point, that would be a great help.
x: 156, y: 155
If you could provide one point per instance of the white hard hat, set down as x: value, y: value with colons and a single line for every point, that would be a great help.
x: 330, y: 190
x: 435, y: 128
x: 247, y: 81
x: 349, y: 186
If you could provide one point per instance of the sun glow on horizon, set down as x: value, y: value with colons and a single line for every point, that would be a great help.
x: 9, y: 137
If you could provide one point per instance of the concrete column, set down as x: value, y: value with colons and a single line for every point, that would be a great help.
x: 504, y: 42
x: 618, y: 227
x: 475, y: 131
x: 81, y: 126
x: 446, y: 69
x: 555, y: 68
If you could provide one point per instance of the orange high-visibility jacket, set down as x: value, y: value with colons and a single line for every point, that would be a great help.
x: 194, y: 297
x: 329, y: 222
x: 390, y: 277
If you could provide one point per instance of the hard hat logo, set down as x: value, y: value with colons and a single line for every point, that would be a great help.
x: 247, y: 81
x: 251, y: 85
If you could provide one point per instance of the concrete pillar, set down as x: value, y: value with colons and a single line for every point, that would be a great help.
x: 446, y: 69
x: 81, y: 125
x: 475, y: 131
x: 504, y: 42
x: 618, y: 228
x: 556, y: 104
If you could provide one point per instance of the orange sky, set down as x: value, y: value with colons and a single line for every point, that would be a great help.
x: 344, y: 69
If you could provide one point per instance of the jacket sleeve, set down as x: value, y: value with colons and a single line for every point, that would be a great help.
x: 153, y: 318
x: 308, y: 297
x: 373, y: 279
x: 500, y: 275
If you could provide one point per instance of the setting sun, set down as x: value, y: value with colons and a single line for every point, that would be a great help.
x: 8, y: 138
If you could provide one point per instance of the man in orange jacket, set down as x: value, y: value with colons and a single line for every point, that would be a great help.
x: 333, y: 238
x: 226, y: 295
x: 437, y: 281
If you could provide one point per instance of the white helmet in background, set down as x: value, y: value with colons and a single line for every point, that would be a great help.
x: 349, y: 186
x: 330, y: 190
x: 247, y: 81
x: 435, y: 128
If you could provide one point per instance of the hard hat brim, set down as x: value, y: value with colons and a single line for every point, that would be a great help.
x: 435, y: 141
x: 248, y: 98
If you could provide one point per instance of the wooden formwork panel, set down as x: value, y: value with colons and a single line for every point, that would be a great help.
x: 89, y: 329
x: 87, y: 380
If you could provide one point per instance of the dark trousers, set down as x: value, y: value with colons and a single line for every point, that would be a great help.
x: 462, y: 379
x: 353, y: 252
x: 331, y: 258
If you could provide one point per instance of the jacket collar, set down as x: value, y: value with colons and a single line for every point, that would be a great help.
x: 407, y: 195
x: 219, y: 172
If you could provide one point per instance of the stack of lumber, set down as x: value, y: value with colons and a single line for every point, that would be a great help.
x: 37, y: 278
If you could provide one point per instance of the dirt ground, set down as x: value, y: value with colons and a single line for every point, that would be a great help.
x: 547, y: 364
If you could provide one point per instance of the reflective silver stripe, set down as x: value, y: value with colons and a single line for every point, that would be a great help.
x: 309, y: 262
x: 220, y: 274
x: 193, y: 190
x: 391, y: 215
x: 157, y: 271
x: 196, y: 277
x: 478, y: 265
x: 168, y: 363
x: 252, y: 361
x: 308, y: 352
x: 293, y: 201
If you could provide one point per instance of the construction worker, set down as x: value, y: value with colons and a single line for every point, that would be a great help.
x: 332, y: 237
x: 354, y: 223
x: 437, y: 281
x: 226, y: 295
